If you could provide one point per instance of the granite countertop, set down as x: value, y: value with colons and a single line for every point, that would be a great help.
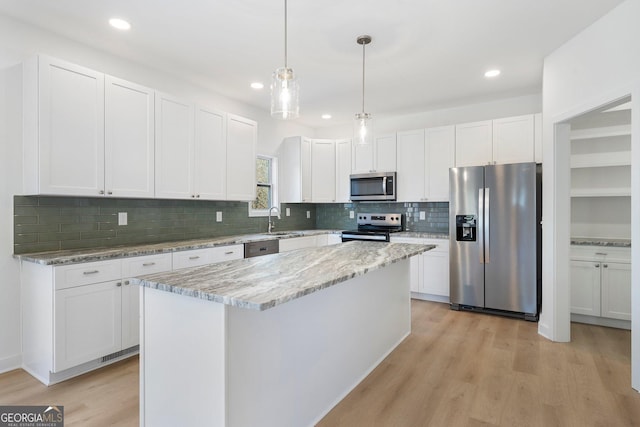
x: 264, y: 282
x: 421, y: 235
x: 100, y: 254
x: 590, y: 241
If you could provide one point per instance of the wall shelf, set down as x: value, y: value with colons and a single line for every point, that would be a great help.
x: 601, y: 192
x: 596, y: 160
x: 601, y: 132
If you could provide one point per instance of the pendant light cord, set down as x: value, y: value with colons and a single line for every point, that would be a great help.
x: 363, y: 46
x: 285, y: 33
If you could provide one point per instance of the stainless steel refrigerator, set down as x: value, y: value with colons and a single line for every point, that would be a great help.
x: 495, y: 238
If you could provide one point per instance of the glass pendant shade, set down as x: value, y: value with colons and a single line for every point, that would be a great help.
x: 285, y: 94
x: 363, y: 129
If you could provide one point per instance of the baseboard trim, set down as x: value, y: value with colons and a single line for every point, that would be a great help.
x: 10, y: 363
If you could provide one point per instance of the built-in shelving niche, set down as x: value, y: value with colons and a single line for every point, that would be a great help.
x: 601, y: 174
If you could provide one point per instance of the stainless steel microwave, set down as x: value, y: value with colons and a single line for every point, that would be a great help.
x: 373, y: 186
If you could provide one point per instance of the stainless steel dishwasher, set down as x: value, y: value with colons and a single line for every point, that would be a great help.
x: 259, y: 248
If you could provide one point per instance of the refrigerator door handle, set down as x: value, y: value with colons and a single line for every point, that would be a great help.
x: 481, y: 224
x: 486, y: 223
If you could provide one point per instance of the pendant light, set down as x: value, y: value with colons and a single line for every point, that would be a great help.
x: 284, y: 86
x: 363, y: 125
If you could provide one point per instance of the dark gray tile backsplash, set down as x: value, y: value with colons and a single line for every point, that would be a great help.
x: 55, y: 223
x: 336, y: 215
x: 43, y: 223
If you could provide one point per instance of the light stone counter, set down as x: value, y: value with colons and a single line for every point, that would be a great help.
x: 264, y: 282
x: 76, y: 256
x: 421, y: 235
x: 617, y: 243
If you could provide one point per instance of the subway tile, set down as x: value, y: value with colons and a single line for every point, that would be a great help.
x: 36, y: 247
x: 51, y: 237
x: 78, y: 227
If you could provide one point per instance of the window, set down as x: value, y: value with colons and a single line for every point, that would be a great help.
x: 266, y: 192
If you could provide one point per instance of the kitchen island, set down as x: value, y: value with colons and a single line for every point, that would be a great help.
x: 272, y: 341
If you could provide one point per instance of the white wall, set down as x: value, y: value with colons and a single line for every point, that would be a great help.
x: 10, y: 343
x: 600, y: 64
x: 506, y: 107
x: 19, y: 41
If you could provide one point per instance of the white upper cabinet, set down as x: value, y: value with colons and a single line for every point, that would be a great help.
x: 65, y: 139
x: 379, y: 156
x: 323, y: 171
x: 513, y: 140
x: 500, y: 141
x: 411, y: 166
x: 89, y: 134
x: 310, y: 169
x: 424, y: 159
x: 242, y: 135
x: 474, y: 144
x: 210, y: 163
x: 440, y: 152
x: 129, y: 139
x: 174, y: 148
x: 343, y: 170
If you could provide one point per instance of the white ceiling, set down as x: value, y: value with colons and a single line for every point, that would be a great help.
x: 425, y: 54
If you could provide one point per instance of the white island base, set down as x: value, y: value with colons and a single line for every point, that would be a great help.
x: 207, y: 363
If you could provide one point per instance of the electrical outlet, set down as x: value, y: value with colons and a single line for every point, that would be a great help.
x: 308, y: 214
x: 122, y: 218
x: 287, y: 212
x: 352, y: 214
x: 218, y: 216
x: 422, y: 216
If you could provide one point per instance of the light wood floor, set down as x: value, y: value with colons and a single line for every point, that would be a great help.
x: 455, y: 369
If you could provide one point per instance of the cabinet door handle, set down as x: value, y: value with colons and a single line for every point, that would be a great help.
x: 119, y: 284
x: 597, y: 266
x: 229, y: 253
x: 101, y: 192
x: 126, y: 282
x: 86, y: 273
x: 109, y: 192
x: 194, y: 257
x: 148, y: 264
x: 605, y: 265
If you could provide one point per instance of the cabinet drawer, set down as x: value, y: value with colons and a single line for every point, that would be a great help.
x: 69, y: 276
x: 192, y: 258
x: 198, y: 257
x: 148, y: 264
x: 226, y: 253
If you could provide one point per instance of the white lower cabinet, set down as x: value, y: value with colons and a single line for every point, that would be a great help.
x: 601, y: 284
x: 429, y: 272
x: 88, y: 322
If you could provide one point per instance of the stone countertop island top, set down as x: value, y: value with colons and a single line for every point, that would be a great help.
x: 264, y: 282
x: 75, y: 256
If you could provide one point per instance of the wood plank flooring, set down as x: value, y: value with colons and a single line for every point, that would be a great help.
x: 455, y: 369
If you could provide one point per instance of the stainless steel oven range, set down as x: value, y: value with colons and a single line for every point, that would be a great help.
x: 375, y: 227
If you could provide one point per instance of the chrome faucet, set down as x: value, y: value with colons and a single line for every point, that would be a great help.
x: 270, y: 221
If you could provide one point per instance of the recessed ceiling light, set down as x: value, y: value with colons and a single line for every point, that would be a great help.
x: 120, y: 24
x: 326, y: 116
x: 257, y: 85
x: 492, y: 73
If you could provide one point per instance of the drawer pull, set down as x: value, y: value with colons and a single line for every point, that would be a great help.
x: 601, y: 253
x: 229, y: 253
x: 263, y: 249
x: 194, y: 257
x: 148, y: 264
x: 86, y: 273
x: 605, y: 265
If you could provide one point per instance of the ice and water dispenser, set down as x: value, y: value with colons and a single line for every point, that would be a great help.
x: 466, y: 228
